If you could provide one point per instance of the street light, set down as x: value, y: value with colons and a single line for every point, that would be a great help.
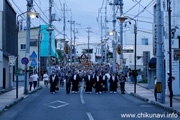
x: 31, y: 14
x: 122, y: 19
x: 49, y: 29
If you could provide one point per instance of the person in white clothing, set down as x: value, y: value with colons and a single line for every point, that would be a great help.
x: 46, y: 79
x: 35, y: 79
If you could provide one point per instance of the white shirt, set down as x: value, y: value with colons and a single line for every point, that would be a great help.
x: 104, y: 77
x: 98, y: 78
x: 45, y: 77
x: 107, y: 74
x: 74, y: 77
x: 113, y: 78
x: 53, y: 78
x: 35, y: 77
x: 89, y: 77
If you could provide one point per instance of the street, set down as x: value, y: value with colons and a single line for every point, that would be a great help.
x: 43, y: 105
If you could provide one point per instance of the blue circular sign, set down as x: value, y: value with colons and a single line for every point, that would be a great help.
x: 24, y: 61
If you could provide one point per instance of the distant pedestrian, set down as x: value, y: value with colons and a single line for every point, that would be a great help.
x: 113, y: 83
x: 88, y: 82
x: 75, y: 82
x: 130, y: 75
x: 46, y: 79
x: 35, y: 79
x: 30, y: 81
x: 170, y: 84
x: 155, y: 87
x: 68, y: 82
x: 122, y: 83
x: 41, y: 72
x: 53, y: 81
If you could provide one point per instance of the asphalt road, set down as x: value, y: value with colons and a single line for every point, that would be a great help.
x: 43, y: 105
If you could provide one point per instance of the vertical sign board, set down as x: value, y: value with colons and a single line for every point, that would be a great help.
x: 175, y: 66
x: 146, y: 58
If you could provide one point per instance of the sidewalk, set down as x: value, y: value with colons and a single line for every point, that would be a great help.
x: 148, y: 95
x: 8, y: 99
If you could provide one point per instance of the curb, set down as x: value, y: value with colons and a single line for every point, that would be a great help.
x: 18, y: 100
x: 165, y: 107
x: 155, y: 103
x: 139, y: 97
x: 35, y: 90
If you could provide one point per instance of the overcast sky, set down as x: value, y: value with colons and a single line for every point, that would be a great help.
x: 85, y: 13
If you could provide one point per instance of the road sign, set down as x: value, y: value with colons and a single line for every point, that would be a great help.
x: 12, y: 60
x: 24, y: 61
x: 33, y: 55
x: 34, y: 63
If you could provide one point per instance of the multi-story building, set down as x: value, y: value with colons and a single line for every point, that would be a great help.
x: 144, y: 44
x: 39, y: 43
x: 8, y: 43
x: 34, y: 39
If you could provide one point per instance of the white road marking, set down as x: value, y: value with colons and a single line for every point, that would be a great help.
x: 59, y: 106
x: 90, y: 116
x: 81, y: 95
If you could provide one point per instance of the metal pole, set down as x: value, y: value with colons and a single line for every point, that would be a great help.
x: 170, y: 60
x: 74, y: 42
x: 71, y: 40
x: 135, y: 35
x: 101, y: 41
x: 160, y: 53
x: 88, y: 38
x: 114, y: 25
x: 50, y: 32
x: 29, y: 5
x: 105, y: 33
x: 121, y: 35
x: 64, y: 27
x: 17, y: 30
x: 39, y: 53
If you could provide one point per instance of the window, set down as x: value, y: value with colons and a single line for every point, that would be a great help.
x: 144, y: 41
x: 90, y: 51
x: 33, y: 43
x: 23, y: 46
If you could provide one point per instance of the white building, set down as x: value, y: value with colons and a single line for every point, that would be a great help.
x: 144, y: 44
x: 34, y: 33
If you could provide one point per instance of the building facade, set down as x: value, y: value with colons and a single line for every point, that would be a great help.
x: 8, y: 43
x: 34, y: 39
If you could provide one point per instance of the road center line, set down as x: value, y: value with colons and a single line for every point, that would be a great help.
x: 90, y: 116
x: 81, y: 95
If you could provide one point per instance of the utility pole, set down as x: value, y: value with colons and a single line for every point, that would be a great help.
x: 50, y: 34
x: 64, y: 27
x: 121, y: 35
x: 71, y: 23
x: 114, y: 29
x: 88, y: 38
x: 29, y: 7
x: 101, y: 40
x: 106, y: 33
x: 170, y: 59
x: 74, y: 31
x: 160, y: 53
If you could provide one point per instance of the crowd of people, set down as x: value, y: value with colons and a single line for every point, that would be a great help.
x: 99, y: 77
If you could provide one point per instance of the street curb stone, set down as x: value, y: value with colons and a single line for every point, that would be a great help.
x: 155, y: 103
x: 18, y: 100
x: 138, y: 96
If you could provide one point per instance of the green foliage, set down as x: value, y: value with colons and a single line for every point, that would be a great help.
x: 60, y: 55
x: 143, y: 81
